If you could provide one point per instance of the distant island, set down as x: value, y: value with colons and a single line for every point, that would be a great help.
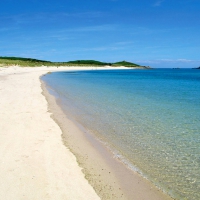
x: 197, y: 68
x: 8, y: 61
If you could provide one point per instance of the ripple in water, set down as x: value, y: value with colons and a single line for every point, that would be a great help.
x: 149, y: 118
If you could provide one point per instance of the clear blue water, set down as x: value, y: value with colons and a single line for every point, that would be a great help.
x: 149, y: 118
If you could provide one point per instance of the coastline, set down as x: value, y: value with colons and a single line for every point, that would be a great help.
x: 34, y: 162
x: 37, y: 165
x: 110, y: 178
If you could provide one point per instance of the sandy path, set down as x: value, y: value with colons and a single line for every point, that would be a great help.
x: 34, y: 163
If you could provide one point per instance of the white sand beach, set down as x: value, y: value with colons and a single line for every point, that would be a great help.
x: 35, y: 164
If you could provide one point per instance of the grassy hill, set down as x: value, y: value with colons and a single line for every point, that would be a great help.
x: 87, y: 62
x: 22, y: 59
x: 126, y: 64
x: 29, y: 62
x: 7, y: 61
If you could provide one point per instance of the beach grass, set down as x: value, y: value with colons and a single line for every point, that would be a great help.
x: 30, y: 62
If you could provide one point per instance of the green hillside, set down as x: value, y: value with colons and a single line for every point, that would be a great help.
x: 22, y: 59
x: 7, y: 61
x: 30, y: 62
x: 87, y: 62
x: 126, y: 64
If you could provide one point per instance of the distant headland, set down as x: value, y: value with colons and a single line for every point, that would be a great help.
x: 197, y: 68
x: 9, y: 61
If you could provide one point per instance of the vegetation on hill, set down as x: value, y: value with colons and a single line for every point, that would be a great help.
x: 22, y: 59
x: 7, y: 61
x: 126, y: 64
x: 29, y: 62
x: 87, y: 62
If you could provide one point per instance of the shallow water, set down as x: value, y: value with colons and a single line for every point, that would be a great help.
x: 149, y: 118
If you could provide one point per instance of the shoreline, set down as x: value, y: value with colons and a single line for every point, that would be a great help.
x: 34, y: 162
x: 110, y: 177
x: 45, y: 158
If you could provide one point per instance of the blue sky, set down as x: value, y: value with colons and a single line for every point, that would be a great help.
x: 158, y: 33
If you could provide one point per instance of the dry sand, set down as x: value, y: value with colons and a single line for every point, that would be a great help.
x: 34, y: 162
x: 35, y: 165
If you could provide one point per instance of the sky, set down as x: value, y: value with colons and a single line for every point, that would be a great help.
x: 156, y: 33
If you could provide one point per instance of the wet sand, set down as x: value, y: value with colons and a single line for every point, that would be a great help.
x: 110, y: 178
x: 41, y: 159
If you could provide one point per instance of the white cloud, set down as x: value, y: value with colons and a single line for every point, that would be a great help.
x: 169, y: 63
x: 46, y: 17
x: 105, y: 27
x: 181, y: 60
x: 101, y: 48
x: 177, y: 60
x: 158, y: 3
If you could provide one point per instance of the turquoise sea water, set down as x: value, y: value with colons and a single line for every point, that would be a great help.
x: 149, y: 118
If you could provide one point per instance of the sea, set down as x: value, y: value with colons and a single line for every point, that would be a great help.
x: 150, y: 119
